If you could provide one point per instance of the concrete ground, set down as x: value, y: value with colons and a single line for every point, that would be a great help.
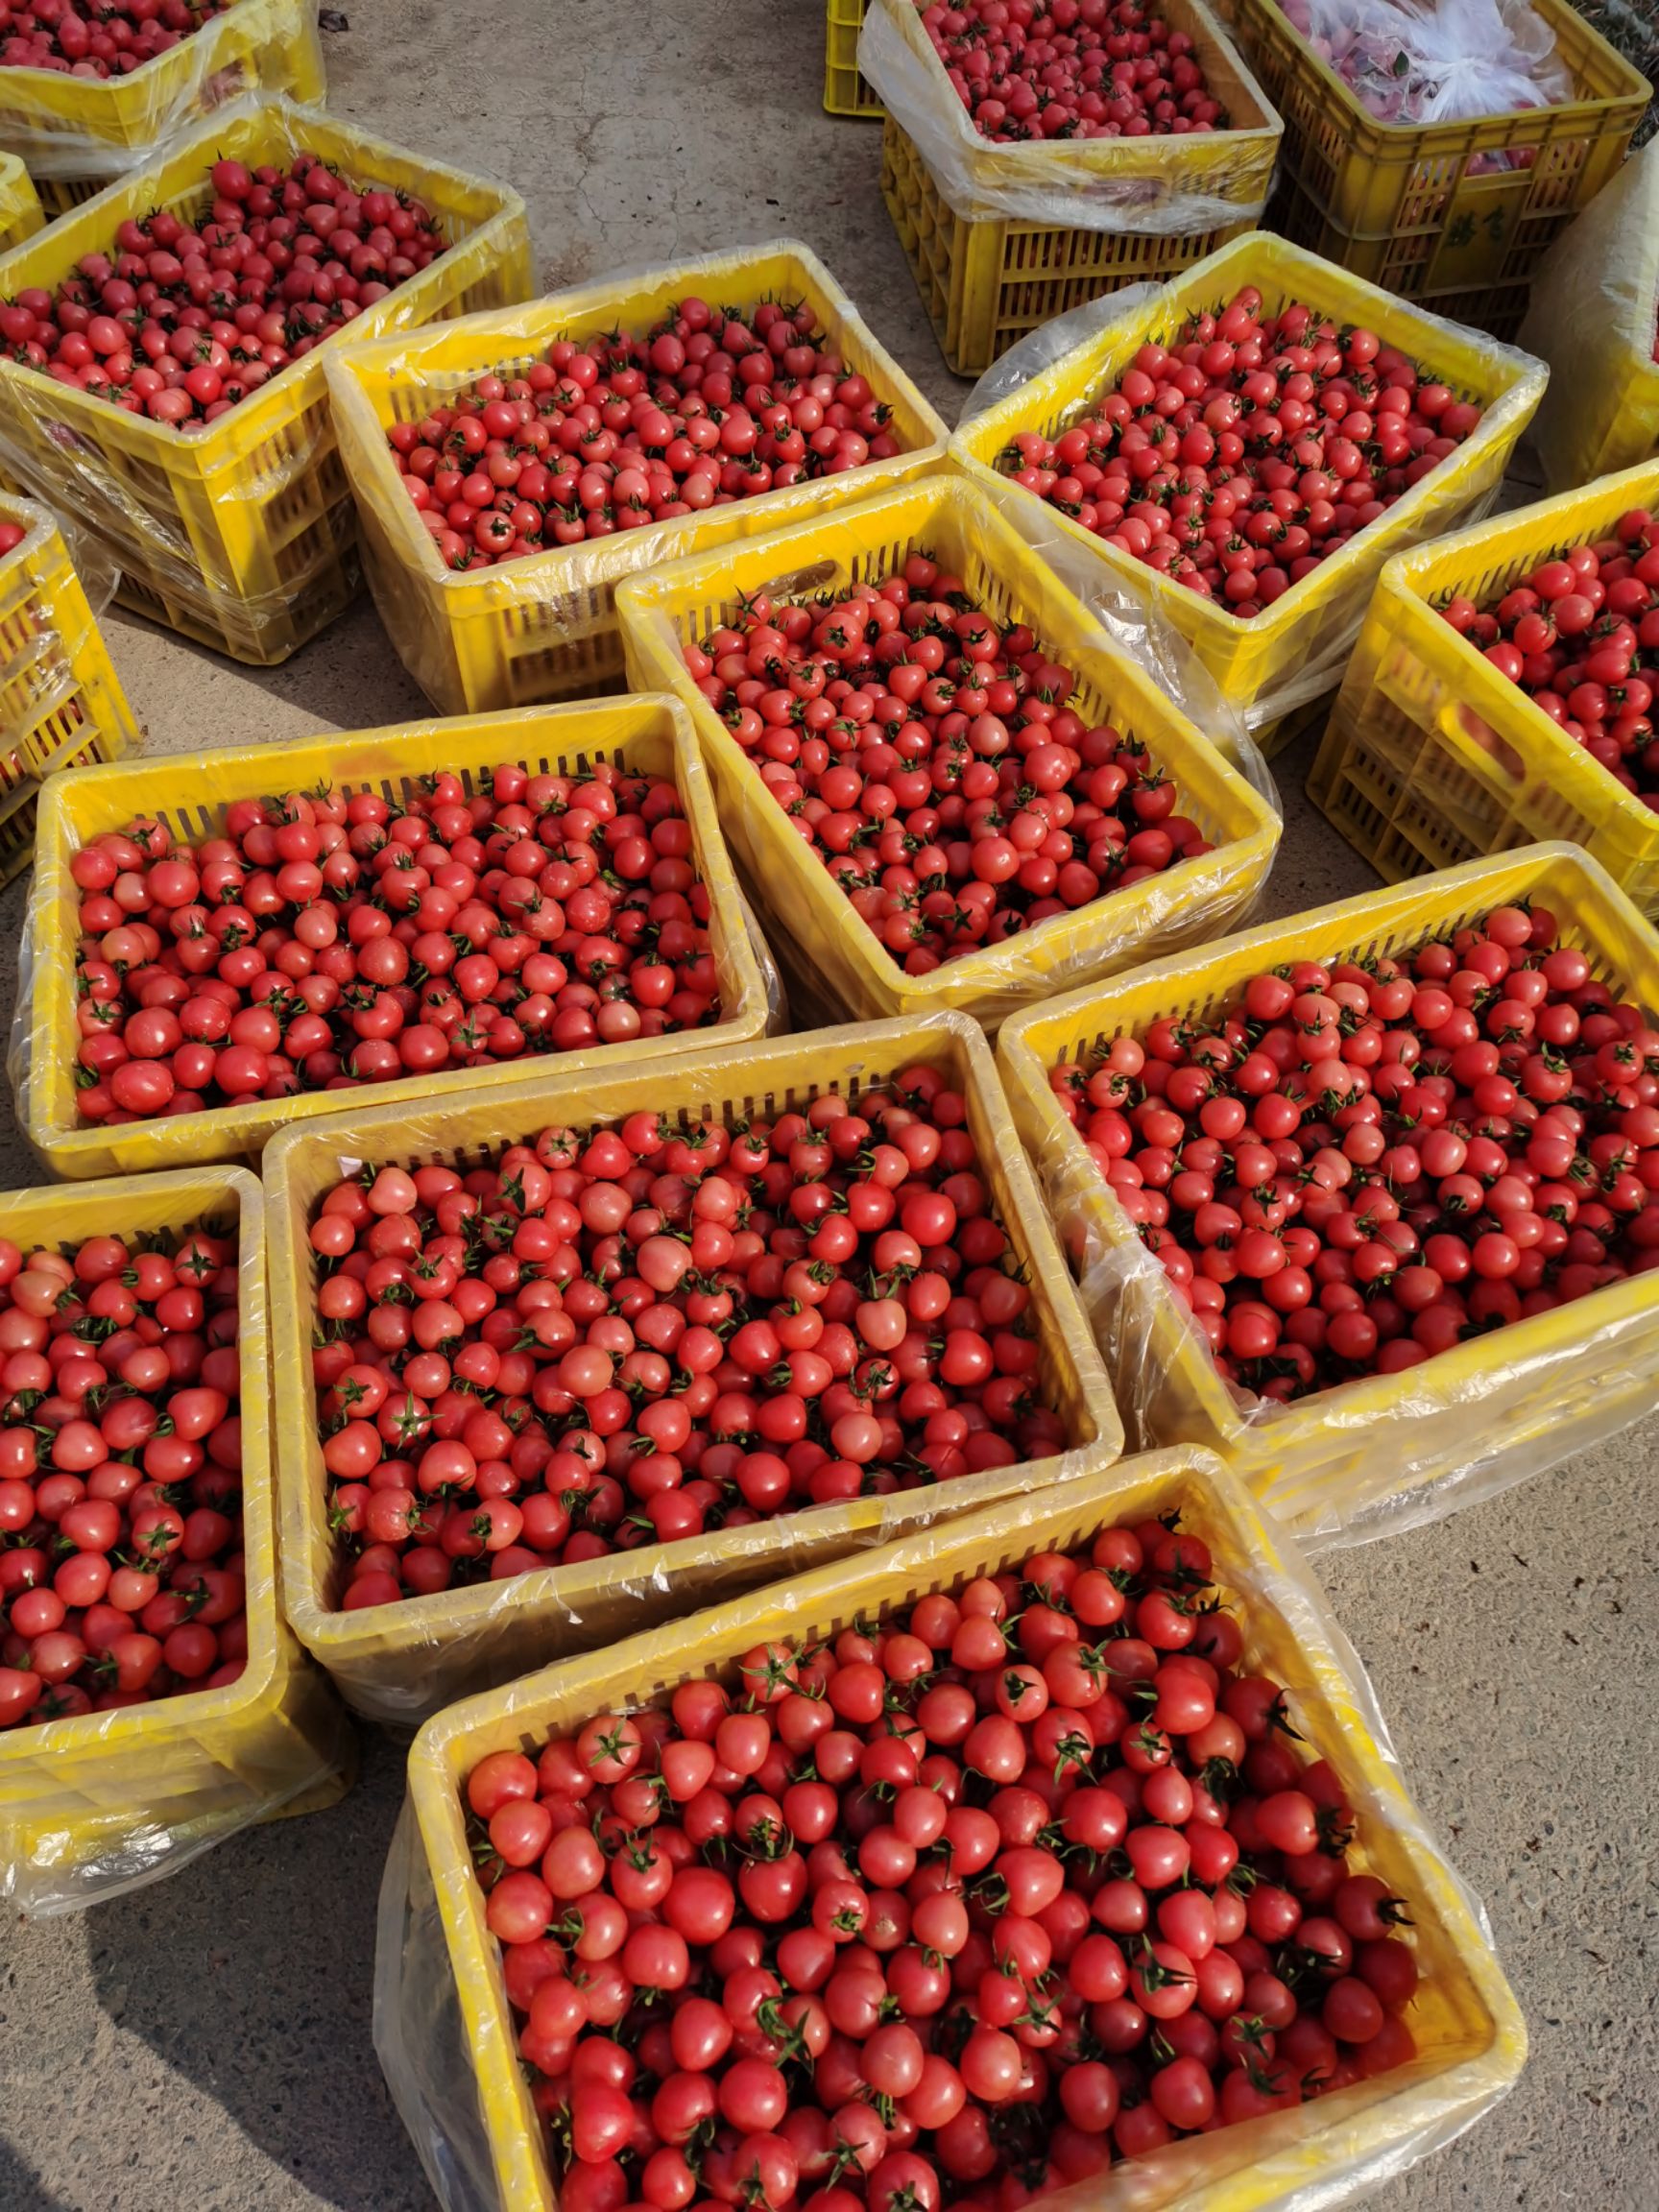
x: 203, y: 2046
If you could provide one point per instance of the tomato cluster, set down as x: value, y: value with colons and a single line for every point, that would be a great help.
x: 325, y: 941
x: 928, y: 755
x: 96, y: 38
x: 1356, y: 1166
x: 180, y: 323
x: 1580, y: 635
x: 953, y: 1909
x: 629, y: 1334
x: 121, y: 1572
x: 1071, y: 70
x: 708, y: 406
x: 1238, y: 458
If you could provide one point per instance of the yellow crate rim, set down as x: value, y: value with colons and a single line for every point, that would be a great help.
x: 368, y: 379
x: 662, y: 611
x: 650, y: 730
x: 1593, y: 913
x: 1245, y: 653
x: 1415, y: 585
x: 1248, y: 2168
x: 253, y: 129
x: 386, y: 1645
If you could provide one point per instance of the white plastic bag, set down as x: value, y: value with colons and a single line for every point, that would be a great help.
x: 1447, y: 61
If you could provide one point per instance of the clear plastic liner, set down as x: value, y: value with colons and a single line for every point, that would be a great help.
x: 1385, y: 1453
x: 838, y: 964
x: 398, y: 1663
x: 1594, y: 318
x: 546, y: 626
x: 649, y: 734
x: 239, y: 531
x: 1051, y: 377
x: 103, y: 1803
x: 1447, y: 62
x: 443, y: 2027
x: 1151, y: 186
x: 79, y: 128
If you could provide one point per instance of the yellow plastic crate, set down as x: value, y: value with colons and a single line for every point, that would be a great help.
x: 845, y: 91
x: 986, y: 278
x: 834, y: 955
x: 1470, y: 2034
x: 1432, y: 755
x: 77, y: 133
x: 104, y: 1800
x: 650, y: 734
x: 20, y: 212
x: 545, y: 626
x: 242, y: 536
x: 61, y: 705
x: 1397, y: 202
x: 399, y: 1661
x: 1387, y: 1451
x: 1255, y: 661
x: 1593, y: 310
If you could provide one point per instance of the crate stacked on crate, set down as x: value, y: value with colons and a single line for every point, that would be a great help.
x: 241, y: 535
x: 1433, y: 756
x: 1454, y: 215
x: 1384, y: 1451
x: 61, y: 705
x: 77, y: 133
x: 404, y: 1659
x: 1000, y: 237
x: 545, y: 626
x: 833, y: 956
x: 1270, y: 665
x: 845, y: 91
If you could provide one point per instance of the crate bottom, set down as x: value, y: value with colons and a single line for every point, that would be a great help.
x: 985, y: 285
x: 230, y: 627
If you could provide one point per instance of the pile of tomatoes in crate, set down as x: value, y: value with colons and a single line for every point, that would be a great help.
x: 1356, y: 1166
x: 326, y: 940
x: 1071, y: 70
x: 638, y: 1334
x: 121, y: 1571
x: 620, y: 431
x: 1580, y: 636
x: 952, y: 1909
x: 97, y: 37
x: 932, y: 758
x: 179, y: 321
x: 1250, y: 450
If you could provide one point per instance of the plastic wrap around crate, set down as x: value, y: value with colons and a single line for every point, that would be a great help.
x: 241, y: 535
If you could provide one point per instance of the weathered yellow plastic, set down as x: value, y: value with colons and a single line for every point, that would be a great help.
x: 833, y: 954
x: 96, y: 1803
x: 1419, y: 208
x: 61, y: 705
x: 241, y: 535
x: 845, y: 91
x: 1470, y: 2035
x: 1388, y: 1449
x: 986, y: 281
x: 1431, y: 755
x: 545, y: 626
x: 399, y: 1661
x: 651, y: 735
x: 20, y: 211
x: 79, y: 133
x: 1253, y: 657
